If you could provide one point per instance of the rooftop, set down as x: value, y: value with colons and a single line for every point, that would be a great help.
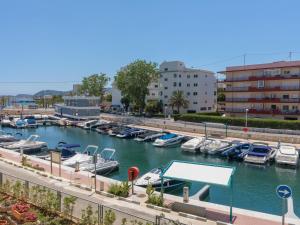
x: 273, y: 65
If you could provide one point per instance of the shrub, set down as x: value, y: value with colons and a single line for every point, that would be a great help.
x: 153, y: 198
x: 235, y: 121
x: 109, y: 217
x: 121, y: 190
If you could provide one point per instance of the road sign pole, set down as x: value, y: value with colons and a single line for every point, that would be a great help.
x: 283, y: 210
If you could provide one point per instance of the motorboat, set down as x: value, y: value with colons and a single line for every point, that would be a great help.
x: 193, y: 144
x: 287, y: 155
x: 5, y: 122
x: 28, y: 146
x: 116, y: 130
x: 89, y: 124
x: 237, y: 151
x: 149, y: 136
x: 105, y: 164
x: 168, y: 140
x: 131, y: 132
x: 30, y: 121
x: 7, y: 137
x: 215, y: 146
x: 18, y: 123
x: 153, y: 178
x: 260, y: 153
x: 84, y: 157
x: 67, y: 151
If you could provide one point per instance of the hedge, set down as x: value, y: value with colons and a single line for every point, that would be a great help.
x: 233, y: 121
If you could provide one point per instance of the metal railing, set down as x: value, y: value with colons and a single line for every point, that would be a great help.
x: 100, y: 210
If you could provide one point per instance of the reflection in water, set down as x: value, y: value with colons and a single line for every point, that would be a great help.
x: 254, y: 187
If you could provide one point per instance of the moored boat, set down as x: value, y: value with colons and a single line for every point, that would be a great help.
x: 193, y: 145
x: 149, y: 136
x: 28, y: 146
x: 287, y: 155
x: 237, y: 151
x: 153, y: 178
x: 215, y: 147
x: 260, y: 153
x: 168, y: 140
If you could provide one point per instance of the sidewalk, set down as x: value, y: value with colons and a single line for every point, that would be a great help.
x: 214, y: 212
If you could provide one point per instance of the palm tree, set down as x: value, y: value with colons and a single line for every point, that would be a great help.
x: 178, y: 100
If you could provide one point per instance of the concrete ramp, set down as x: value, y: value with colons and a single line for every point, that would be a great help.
x: 291, y: 217
x: 202, y: 193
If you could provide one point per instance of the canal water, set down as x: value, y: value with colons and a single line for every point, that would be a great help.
x: 254, y: 187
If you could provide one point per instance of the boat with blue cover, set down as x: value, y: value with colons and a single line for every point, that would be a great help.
x: 238, y: 151
x: 260, y: 153
x: 130, y: 132
x: 168, y: 140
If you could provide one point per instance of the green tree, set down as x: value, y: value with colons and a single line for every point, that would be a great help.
x: 69, y: 203
x: 133, y: 81
x: 93, y: 85
x: 178, y: 100
x: 125, y: 102
x: 108, y: 97
x: 87, y: 216
x: 153, y: 107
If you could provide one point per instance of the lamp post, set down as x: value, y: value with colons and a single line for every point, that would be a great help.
x: 246, y: 122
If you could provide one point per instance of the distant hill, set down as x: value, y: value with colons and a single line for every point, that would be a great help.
x: 50, y: 92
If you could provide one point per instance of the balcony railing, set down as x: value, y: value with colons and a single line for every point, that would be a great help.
x: 256, y: 89
x: 264, y: 77
x: 265, y: 100
x: 264, y: 111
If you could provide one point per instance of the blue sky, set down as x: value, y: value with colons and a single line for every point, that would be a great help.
x: 56, y: 42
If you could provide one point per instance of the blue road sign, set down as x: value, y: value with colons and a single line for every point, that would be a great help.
x: 284, y: 191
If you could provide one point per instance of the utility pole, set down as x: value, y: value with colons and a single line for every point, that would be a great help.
x: 244, y: 56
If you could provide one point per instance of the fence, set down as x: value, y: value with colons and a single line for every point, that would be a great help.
x: 102, y: 212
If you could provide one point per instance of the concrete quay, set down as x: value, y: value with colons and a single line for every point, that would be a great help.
x: 70, y: 181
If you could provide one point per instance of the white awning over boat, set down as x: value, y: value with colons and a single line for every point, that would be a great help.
x: 204, y: 173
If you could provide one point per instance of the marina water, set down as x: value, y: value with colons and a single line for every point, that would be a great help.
x: 254, y: 187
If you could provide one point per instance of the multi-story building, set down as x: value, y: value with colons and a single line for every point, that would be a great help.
x: 264, y: 90
x: 198, y: 86
x: 79, y: 107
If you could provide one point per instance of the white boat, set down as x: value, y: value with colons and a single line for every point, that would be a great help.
x: 5, y: 122
x: 149, y: 136
x: 80, y: 158
x: 168, y: 140
x: 89, y: 124
x: 4, y: 137
x: 193, y: 144
x: 287, y: 155
x: 62, y: 122
x: 216, y: 146
x: 153, y: 178
x: 28, y: 146
x: 105, y: 163
x: 260, y: 153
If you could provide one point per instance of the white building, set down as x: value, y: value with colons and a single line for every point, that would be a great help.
x: 199, y: 86
x: 116, y: 97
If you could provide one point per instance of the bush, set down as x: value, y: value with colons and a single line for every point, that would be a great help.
x: 121, y: 190
x: 260, y: 123
x: 153, y: 198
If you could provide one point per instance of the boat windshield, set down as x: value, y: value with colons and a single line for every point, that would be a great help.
x: 261, y: 149
x: 168, y: 136
x: 155, y: 171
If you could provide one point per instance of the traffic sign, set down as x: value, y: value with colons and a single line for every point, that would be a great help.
x: 284, y: 191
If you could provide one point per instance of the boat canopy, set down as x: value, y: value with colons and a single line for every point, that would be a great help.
x: 204, y: 173
x: 168, y: 136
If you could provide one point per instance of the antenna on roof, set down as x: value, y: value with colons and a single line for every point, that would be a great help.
x: 245, y: 59
x: 290, y: 55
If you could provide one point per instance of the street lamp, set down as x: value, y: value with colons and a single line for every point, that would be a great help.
x: 246, y: 122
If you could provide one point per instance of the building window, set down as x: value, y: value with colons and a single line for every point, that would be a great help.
x: 295, y: 107
x: 273, y: 107
x: 188, y: 76
x: 209, y: 108
x: 195, y: 93
x: 195, y: 84
x: 205, y: 101
x: 156, y: 86
x: 285, y: 96
x: 195, y: 103
x: 166, y: 69
x: 179, y: 75
x: 203, y: 108
x: 285, y: 107
x: 205, y: 75
x: 260, y: 83
x: 166, y: 96
x: 174, y: 84
x: 166, y: 88
x: 215, y: 93
x: 179, y: 84
x: 206, y: 93
x: 195, y: 75
x: 187, y: 85
x: 286, y: 72
x: 153, y: 94
x: 161, y: 93
x: 166, y: 79
x: 188, y: 93
x: 175, y: 75
x: 161, y: 75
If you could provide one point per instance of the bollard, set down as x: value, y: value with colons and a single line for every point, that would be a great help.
x: 101, y: 186
x: 185, y: 194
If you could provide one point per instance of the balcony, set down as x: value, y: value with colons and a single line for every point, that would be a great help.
x: 264, y: 77
x: 264, y: 111
x: 264, y: 100
x: 256, y: 89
